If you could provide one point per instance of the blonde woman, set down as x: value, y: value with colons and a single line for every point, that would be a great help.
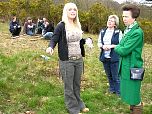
x: 68, y: 35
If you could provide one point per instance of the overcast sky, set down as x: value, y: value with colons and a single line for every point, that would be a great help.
x: 120, y: 1
x: 138, y: 1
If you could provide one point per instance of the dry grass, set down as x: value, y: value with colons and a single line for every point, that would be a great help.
x: 23, y: 43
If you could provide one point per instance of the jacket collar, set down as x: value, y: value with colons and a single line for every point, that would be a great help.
x: 136, y: 26
x: 132, y: 25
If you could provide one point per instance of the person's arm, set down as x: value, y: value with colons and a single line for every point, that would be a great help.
x: 55, y: 38
x: 18, y: 23
x: 101, y: 46
x: 48, y: 28
x: 25, y: 28
x: 51, y: 27
x: 82, y: 41
x: 57, y: 34
x: 88, y: 41
x: 120, y: 35
x: 99, y: 41
x: 133, y: 41
x: 11, y: 26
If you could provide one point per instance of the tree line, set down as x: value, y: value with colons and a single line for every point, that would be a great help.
x: 93, y: 14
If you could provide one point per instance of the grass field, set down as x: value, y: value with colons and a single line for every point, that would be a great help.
x: 30, y: 83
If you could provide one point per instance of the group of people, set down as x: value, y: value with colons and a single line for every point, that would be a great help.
x: 120, y: 52
x: 117, y: 49
x: 43, y: 27
x: 116, y: 55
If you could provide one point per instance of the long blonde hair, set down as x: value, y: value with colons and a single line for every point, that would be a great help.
x: 65, y: 17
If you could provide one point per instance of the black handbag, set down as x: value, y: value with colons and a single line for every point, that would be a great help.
x: 137, y: 73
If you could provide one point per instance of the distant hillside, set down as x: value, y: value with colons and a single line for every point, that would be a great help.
x: 146, y: 11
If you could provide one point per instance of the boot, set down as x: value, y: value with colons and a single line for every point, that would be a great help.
x: 137, y: 109
x: 131, y: 109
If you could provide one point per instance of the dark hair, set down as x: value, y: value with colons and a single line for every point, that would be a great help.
x: 40, y: 18
x: 13, y: 15
x: 133, y: 8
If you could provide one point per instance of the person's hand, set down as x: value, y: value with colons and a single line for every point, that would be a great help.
x: 106, y: 47
x: 111, y: 46
x: 49, y: 50
x: 30, y: 26
x: 89, y: 42
x: 47, y: 23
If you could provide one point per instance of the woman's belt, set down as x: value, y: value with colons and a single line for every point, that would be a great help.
x: 75, y: 57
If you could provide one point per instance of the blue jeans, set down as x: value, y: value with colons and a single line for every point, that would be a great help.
x: 48, y: 35
x: 111, y: 70
x: 30, y: 32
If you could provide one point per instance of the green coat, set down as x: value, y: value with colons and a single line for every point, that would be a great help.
x: 130, y: 51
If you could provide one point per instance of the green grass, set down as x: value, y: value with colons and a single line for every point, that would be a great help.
x: 28, y: 82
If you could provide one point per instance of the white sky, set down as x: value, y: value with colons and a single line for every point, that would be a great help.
x: 138, y: 1
x: 121, y: 1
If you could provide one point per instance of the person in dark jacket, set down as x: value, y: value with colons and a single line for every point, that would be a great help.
x: 68, y: 35
x: 29, y: 27
x: 48, y: 30
x: 39, y: 26
x: 15, y: 27
x: 109, y: 37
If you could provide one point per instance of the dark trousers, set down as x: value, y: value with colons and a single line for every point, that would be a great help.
x: 39, y: 30
x: 16, y: 31
x: 71, y: 74
x: 111, y: 70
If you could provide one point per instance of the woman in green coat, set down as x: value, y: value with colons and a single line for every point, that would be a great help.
x: 130, y: 51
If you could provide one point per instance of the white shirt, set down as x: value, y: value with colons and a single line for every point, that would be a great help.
x: 99, y: 39
x: 107, y: 40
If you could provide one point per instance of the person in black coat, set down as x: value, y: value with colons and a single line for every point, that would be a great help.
x: 48, y: 30
x: 68, y: 36
x: 14, y: 26
x: 39, y: 26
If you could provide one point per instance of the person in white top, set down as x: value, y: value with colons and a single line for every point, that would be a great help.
x: 109, y: 37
